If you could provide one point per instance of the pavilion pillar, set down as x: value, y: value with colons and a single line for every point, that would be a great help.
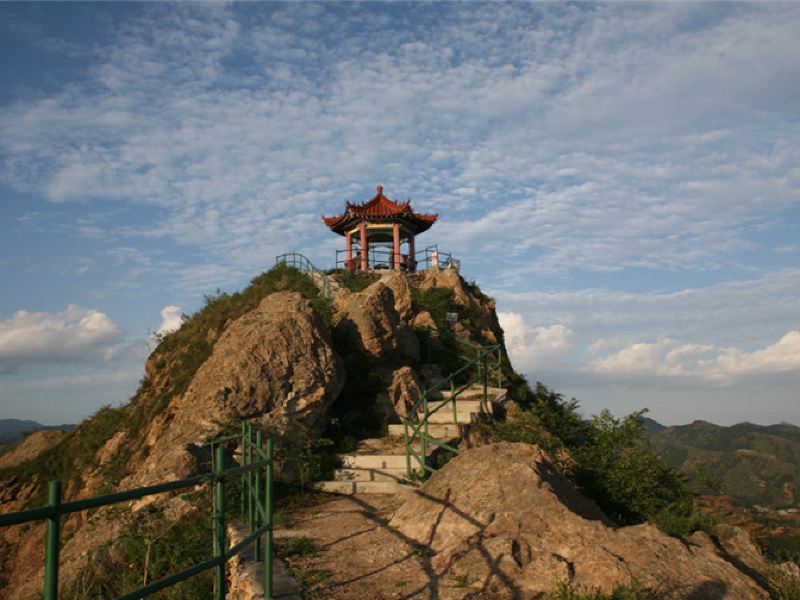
x: 364, y: 247
x: 412, y: 261
x: 396, y: 234
x: 348, y: 246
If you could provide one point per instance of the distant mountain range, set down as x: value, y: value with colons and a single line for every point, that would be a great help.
x: 755, y: 464
x: 12, y: 430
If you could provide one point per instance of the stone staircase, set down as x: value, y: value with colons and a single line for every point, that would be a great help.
x: 378, y: 466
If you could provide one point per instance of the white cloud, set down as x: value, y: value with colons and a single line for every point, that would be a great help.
x: 171, y: 319
x: 672, y: 359
x: 599, y: 138
x: 71, y: 336
x: 532, y: 348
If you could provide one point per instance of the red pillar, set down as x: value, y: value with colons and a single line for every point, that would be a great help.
x: 364, y: 247
x: 412, y: 262
x: 396, y: 232
x: 348, y: 246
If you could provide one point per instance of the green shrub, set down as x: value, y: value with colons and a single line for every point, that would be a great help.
x: 437, y: 301
x: 354, y: 281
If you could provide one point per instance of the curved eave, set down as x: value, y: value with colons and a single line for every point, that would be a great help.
x: 416, y: 222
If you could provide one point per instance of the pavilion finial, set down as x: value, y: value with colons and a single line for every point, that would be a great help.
x: 380, y: 189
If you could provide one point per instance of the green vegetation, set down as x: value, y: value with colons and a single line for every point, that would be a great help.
x: 566, y: 591
x: 72, y: 456
x: 296, y: 546
x: 355, y: 281
x: 607, y: 458
x: 152, y: 547
x: 753, y: 463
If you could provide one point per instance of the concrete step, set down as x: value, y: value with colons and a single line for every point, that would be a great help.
x: 461, y: 405
x: 373, y: 461
x: 369, y: 474
x: 359, y: 487
x: 471, y: 393
x: 446, y: 417
x: 443, y: 431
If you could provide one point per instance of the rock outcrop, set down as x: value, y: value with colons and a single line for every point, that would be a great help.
x: 371, y: 322
x: 272, y: 364
x: 502, y: 516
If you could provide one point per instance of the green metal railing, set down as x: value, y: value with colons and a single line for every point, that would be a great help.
x: 255, y: 470
x: 476, y: 370
x: 300, y: 262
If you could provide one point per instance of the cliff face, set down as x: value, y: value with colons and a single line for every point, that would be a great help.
x: 265, y: 355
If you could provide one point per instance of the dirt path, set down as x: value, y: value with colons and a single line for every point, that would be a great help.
x: 360, y: 556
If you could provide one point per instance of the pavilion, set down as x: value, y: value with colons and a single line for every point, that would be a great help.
x: 375, y: 232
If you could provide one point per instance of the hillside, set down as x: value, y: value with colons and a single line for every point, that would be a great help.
x: 321, y: 375
x: 13, y: 430
x: 755, y: 464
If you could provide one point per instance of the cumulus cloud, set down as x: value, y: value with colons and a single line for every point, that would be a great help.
x: 171, y: 319
x: 73, y: 335
x: 672, y: 359
x: 532, y: 348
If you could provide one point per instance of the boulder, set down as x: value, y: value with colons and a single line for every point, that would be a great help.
x: 502, y: 516
x: 270, y: 365
x: 397, y: 281
x: 370, y: 321
x: 403, y: 392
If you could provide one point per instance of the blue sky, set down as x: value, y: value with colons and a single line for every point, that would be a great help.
x: 623, y: 178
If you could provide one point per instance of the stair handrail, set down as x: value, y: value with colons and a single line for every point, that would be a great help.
x: 256, y: 458
x: 302, y: 263
x: 419, y: 430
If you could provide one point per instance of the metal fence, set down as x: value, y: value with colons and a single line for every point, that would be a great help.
x: 382, y: 256
x: 255, y: 470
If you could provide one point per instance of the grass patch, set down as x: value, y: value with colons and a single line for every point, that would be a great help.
x: 297, y: 546
x: 566, y: 591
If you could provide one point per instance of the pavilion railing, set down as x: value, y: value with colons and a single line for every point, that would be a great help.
x: 255, y: 470
x: 300, y: 262
x: 381, y: 256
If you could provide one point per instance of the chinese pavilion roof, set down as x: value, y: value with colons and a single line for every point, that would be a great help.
x: 380, y: 210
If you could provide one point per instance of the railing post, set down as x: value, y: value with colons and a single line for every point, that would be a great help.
x: 250, y: 507
x: 453, y: 399
x: 219, y: 525
x: 424, y: 437
x: 52, y: 541
x: 268, y: 513
x: 242, y: 461
x: 258, y: 499
x: 408, y: 448
x: 485, y: 378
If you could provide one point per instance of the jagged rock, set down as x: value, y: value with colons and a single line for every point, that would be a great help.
x: 444, y: 278
x: 372, y: 324
x: 502, y: 513
x: 31, y: 447
x: 271, y: 364
x: 424, y: 320
x: 397, y: 281
x: 403, y: 392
